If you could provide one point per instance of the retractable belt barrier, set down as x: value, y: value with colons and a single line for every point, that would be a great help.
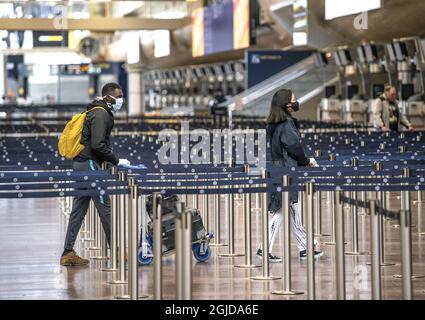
x: 30, y: 167
x: 212, y: 183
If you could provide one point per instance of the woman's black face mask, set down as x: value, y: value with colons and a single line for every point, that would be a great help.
x: 294, y: 105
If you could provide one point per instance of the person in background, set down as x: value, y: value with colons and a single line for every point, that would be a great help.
x: 386, y: 112
x: 219, y: 96
x: 95, y: 137
x: 286, y: 151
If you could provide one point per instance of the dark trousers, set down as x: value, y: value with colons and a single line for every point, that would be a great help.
x: 80, y: 206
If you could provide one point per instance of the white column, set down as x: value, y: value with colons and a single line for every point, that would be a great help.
x: 136, y: 103
x: 2, y: 75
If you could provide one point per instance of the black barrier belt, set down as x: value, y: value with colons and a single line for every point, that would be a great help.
x: 57, y: 194
x: 65, y: 174
x: 63, y: 185
x: 201, y: 175
x: 30, y: 167
x: 173, y: 189
x: 180, y: 168
x: 57, y: 178
x: 225, y: 181
x: 332, y: 171
x: 242, y: 189
x: 353, y: 180
x: 276, y: 173
x: 364, y: 204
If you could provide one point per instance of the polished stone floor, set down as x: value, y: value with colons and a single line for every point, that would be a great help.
x: 32, y: 233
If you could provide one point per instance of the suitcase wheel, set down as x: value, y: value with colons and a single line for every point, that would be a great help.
x: 196, y: 248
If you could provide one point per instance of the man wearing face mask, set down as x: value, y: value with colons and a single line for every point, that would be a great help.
x: 286, y: 151
x: 95, y: 137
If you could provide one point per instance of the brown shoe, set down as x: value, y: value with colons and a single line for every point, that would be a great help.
x: 72, y: 259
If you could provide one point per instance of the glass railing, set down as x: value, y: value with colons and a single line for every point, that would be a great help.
x: 305, y: 79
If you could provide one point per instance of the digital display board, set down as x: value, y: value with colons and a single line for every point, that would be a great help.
x: 52, y: 38
x: 262, y: 64
x: 221, y: 27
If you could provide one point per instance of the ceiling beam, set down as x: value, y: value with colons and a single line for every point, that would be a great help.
x: 93, y: 24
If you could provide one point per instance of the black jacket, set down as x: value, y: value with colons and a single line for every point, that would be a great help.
x: 96, y: 135
x: 285, y: 151
x: 285, y: 144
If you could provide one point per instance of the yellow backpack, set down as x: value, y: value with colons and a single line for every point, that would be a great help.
x: 69, y: 142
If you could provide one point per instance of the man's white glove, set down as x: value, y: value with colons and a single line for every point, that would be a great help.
x: 313, y: 162
x: 123, y: 162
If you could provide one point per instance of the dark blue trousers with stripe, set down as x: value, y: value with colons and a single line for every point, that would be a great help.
x: 80, y: 206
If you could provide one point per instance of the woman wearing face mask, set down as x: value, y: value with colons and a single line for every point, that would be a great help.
x: 286, y: 151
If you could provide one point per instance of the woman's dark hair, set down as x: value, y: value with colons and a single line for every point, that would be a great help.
x: 277, y: 113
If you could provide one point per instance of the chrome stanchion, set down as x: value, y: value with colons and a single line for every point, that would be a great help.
x: 302, y: 195
x: 122, y: 209
x: 355, y: 229
x: 183, y: 253
x: 206, y: 213
x: 157, y: 245
x: 230, y: 209
x: 133, y: 232
x: 103, y: 254
x: 421, y: 228
x: 354, y: 219
x: 94, y: 232
x: 318, y: 216
x: 114, y: 218
x: 265, y: 237
x: 195, y: 201
x: 331, y: 207
x: 247, y: 229
x: 362, y: 210
x: 257, y: 202
x: 339, y: 237
x: 101, y: 236
x: 420, y: 202
x: 406, y: 238
x: 178, y: 256
x: 406, y: 252
x: 217, y: 222
x: 286, y: 243
x: 309, y: 191
x: 89, y: 227
x: 378, y: 167
x: 420, y: 197
x: 331, y: 241
x: 375, y: 248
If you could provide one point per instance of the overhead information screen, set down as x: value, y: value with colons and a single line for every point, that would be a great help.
x: 224, y: 26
